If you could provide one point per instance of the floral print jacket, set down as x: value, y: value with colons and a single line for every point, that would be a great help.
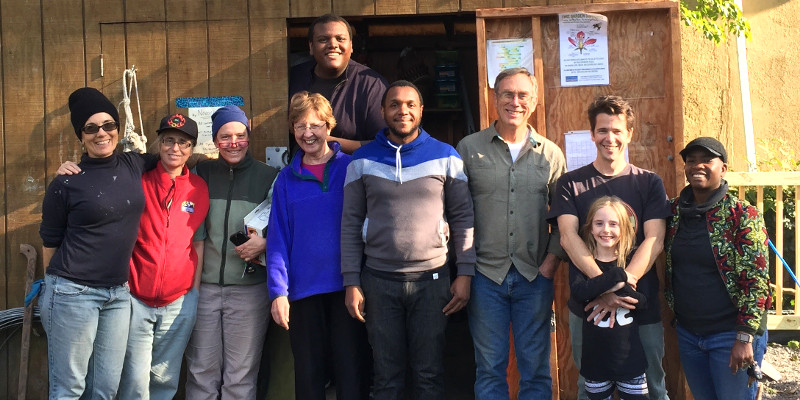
x: 739, y: 243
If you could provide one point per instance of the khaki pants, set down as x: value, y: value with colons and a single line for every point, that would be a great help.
x: 224, y: 351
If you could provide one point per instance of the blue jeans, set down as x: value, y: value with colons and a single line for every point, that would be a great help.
x: 406, y: 326
x: 87, y: 329
x: 526, y: 306
x: 705, y: 362
x: 157, y: 339
x: 652, y: 338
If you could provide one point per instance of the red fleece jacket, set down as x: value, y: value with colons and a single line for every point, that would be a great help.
x: 164, y: 261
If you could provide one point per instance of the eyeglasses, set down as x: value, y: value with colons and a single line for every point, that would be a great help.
x: 238, y: 143
x: 182, y: 143
x: 313, y: 127
x: 523, y: 97
x: 94, y: 128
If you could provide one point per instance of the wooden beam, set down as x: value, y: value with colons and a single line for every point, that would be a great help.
x: 395, y: 7
x: 516, y: 12
x: 472, y: 5
x: 783, y: 322
x: 762, y: 178
x: 439, y: 6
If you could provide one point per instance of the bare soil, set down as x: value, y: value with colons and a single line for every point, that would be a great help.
x: 787, y: 361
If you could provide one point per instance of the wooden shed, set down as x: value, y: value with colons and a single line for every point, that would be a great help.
x: 189, y: 48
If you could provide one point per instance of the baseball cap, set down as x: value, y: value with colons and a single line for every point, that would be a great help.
x: 179, y: 122
x: 712, y: 145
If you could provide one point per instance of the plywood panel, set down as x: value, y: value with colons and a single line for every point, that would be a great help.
x: 229, y: 51
x: 268, y: 83
x: 187, y: 51
x: 269, y: 9
x: 398, y: 7
x: 24, y: 185
x: 98, y: 14
x: 354, y: 7
x: 440, y: 6
x: 146, y: 47
x: 64, y: 71
x: 106, y: 47
x: 642, y: 50
x: 501, y: 29
x: 309, y: 8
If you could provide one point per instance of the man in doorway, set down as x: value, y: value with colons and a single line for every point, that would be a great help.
x: 353, y: 90
x: 512, y: 173
x: 405, y: 196
x: 611, y: 119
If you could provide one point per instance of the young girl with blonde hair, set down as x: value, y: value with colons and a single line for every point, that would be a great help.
x: 612, y: 355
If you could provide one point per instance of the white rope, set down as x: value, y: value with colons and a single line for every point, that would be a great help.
x: 132, y: 140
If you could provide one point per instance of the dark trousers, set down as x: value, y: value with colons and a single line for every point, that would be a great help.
x: 406, y: 328
x: 325, y: 338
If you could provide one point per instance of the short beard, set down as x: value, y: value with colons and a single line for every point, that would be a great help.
x: 403, y: 135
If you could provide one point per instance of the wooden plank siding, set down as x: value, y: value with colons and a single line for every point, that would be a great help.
x: 189, y: 48
x: 25, y: 148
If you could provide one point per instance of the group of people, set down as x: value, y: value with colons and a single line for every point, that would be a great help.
x: 377, y: 233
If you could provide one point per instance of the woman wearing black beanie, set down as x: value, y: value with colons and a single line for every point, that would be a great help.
x: 89, y: 226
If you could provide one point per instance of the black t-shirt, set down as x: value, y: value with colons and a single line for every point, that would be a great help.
x: 610, y: 354
x: 642, y: 190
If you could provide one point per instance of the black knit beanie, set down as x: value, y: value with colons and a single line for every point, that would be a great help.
x: 85, y: 102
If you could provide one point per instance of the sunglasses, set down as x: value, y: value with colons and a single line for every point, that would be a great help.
x: 94, y: 128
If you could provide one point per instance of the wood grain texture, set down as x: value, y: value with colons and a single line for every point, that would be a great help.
x: 309, y: 8
x: 354, y: 7
x: 146, y: 49
x: 510, y: 11
x: 438, y: 6
x: 64, y: 71
x: 24, y: 144
x: 644, y: 71
x: 472, y: 5
x: 395, y: 7
x: 259, y: 9
x: 229, y: 52
x: 269, y: 84
x: 186, y: 51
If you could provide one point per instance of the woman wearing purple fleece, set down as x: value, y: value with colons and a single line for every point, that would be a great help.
x: 303, y: 259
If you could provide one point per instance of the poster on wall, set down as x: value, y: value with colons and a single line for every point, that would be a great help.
x: 508, y: 53
x: 200, y: 110
x: 580, y: 150
x: 583, y: 44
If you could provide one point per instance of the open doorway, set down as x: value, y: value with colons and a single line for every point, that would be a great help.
x: 438, y: 53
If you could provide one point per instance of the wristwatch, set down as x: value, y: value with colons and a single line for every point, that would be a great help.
x: 744, y: 337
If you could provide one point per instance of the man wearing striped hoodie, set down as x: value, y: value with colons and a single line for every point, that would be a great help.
x: 405, y: 195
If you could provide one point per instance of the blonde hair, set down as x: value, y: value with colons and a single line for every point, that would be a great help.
x: 303, y: 102
x: 627, y: 227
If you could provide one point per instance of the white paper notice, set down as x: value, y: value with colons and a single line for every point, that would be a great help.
x: 583, y: 44
x: 580, y: 150
x: 508, y: 53
x: 202, y: 115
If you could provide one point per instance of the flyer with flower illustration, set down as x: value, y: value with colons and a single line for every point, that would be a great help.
x: 583, y: 44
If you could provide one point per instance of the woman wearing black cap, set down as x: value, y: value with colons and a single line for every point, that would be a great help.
x: 164, y: 266
x: 717, y: 280
x: 89, y: 226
